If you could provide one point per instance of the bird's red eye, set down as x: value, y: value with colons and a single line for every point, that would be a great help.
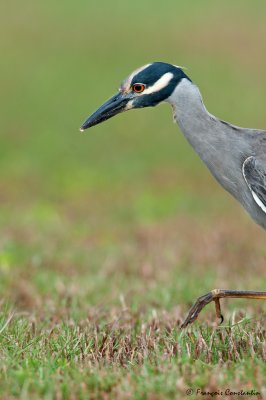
x: 138, y: 87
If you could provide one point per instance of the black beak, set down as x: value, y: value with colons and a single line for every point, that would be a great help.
x: 113, y: 106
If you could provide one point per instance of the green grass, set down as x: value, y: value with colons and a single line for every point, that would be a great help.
x: 151, y: 358
x: 107, y: 237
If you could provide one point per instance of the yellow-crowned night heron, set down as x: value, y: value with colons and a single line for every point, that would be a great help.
x: 235, y: 156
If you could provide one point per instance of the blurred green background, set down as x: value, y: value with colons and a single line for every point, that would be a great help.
x: 60, y: 61
x: 124, y: 211
x: 74, y: 199
x: 71, y: 200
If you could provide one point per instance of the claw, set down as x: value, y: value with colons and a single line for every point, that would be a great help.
x: 215, y: 295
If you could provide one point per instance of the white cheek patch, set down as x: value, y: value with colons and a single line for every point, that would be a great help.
x: 160, y: 84
x: 129, y: 105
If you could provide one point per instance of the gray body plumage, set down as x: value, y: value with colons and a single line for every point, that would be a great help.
x: 235, y: 156
x: 224, y: 148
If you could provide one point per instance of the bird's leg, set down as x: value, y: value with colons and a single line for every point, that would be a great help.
x: 215, y: 295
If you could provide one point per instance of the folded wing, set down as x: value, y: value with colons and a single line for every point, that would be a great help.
x: 254, y: 171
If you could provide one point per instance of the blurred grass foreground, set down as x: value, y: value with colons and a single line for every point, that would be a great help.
x: 107, y: 237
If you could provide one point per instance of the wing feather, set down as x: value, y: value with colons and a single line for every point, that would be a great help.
x: 254, y: 171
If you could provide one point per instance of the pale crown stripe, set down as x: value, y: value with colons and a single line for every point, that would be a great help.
x: 125, y: 86
x: 131, y: 76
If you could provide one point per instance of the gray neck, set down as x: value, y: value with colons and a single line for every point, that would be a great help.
x: 194, y: 120
x: 211, y: 138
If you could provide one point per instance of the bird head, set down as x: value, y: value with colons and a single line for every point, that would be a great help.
x: 145, y: 87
